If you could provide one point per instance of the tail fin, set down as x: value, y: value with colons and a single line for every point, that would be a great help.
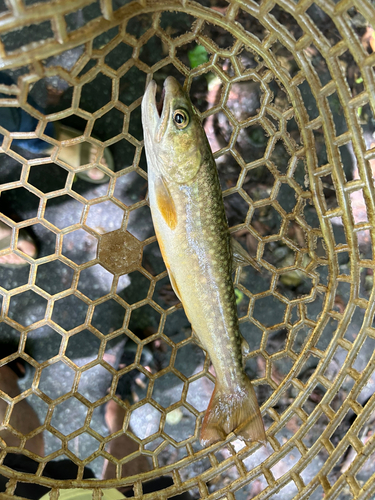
x: 236, y: 411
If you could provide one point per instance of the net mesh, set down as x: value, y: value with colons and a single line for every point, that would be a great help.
x: 295, y: 164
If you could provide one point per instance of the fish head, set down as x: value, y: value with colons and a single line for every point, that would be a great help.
x: 176, y: 144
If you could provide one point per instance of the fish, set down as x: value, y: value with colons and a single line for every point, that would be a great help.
x: 191, y: 228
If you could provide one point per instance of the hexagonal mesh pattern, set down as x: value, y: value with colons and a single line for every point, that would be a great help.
x: 290, y: 198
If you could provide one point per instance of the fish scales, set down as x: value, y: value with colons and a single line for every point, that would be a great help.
x: 192, y: 231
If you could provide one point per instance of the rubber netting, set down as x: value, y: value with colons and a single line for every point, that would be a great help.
x: 286, y: 92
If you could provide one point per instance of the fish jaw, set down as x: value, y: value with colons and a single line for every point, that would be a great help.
x: 172, y: 87
x: 153, y: 124
x: 150, y: 115
x: 155, y: 116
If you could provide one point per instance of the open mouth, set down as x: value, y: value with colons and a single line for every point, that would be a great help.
x: 159, y: 109
x: 159, y: 105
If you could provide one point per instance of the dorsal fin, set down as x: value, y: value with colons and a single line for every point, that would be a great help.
x: 240, y: 255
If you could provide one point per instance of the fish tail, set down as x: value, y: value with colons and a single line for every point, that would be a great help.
x: 236, y: 411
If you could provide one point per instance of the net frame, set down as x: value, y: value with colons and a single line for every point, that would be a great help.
x: 34, y: 54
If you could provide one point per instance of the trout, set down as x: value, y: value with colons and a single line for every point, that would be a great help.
x: 192, y: 231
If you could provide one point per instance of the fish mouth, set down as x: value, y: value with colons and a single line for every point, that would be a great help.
x: 157, y: 106
x: 162, y: 108
x: 160, y: 104
x: 171, y: 89
x: 152, y: 112
x: 155, y: 113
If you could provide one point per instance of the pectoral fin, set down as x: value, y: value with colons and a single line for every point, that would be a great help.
x: 241, y: 257
x: 165, y: 203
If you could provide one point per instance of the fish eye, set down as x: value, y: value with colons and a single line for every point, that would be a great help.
x: 181, y: 118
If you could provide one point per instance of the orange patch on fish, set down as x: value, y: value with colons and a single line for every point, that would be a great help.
x: 165, y: 203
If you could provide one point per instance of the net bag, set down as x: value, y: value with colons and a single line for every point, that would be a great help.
x: 286, y: 93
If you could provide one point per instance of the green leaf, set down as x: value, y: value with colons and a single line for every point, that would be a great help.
x: 359, y: 80
x: 359, y: 111
x: 197, y: 56
x: 239, y: 296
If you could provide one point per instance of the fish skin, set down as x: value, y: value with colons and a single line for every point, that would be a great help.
x: 192, y: 230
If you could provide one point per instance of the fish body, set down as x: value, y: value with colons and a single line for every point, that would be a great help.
x: 192, y: 230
